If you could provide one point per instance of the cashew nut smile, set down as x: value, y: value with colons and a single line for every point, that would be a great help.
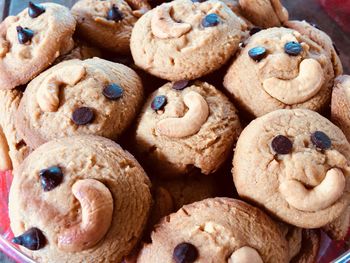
x: 191, y: 123
x: 318, y: 198
x: 48, y: 92
x: 306, y: 85
x: 245, y: 255
x: 97, y: 209
x: 163, y: 26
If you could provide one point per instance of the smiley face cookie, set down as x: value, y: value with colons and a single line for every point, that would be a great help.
x: 106, y: 24
x: 184, y: 39
x: 281, y: 68
x: 216, y: 230
x: 183, y: 126
x: 79, y: 199
x: 76, y: 97
x: 32, y: 40
x: 295, y: 164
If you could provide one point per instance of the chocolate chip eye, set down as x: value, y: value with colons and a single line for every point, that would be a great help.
x: 257, y: 53
x: 32, y: 239
x: 158, y: 102
x: 210, y: 20
x: 321, y: 140
x: 115, y: 14
x: 293, y: 48
x: 83, y: 116
x: 281, y: 144
x: 254, y: 30
x: 24, y: 35
x: 185, y: 253
x: 113, y: 91
x: 35, y: 10
x: 180, y: 85
x: 51, y: 178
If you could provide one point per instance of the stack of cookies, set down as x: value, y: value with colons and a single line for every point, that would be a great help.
x: 200, y: 92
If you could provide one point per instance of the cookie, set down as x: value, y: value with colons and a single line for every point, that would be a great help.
x: 79, y: 199
x: 32, y: 40
x: 171, y: 195
x: 13, y: 149
x: 281, y: 68
x: 80, y: 51
x: 294, y: 164
x: 264, y: 13
x: 77, y: 97
x: 184, y: 127
x: 106, y: 24
x: 216, y: 230
x: 340, y: 106
x: 184, y: 39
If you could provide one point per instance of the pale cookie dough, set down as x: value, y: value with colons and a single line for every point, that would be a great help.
x: 193, y: 127
x: 13, y: 149
x: 340, y: 107
x: 51, y: 37
x: 281, y: 68
x: 185, y: 40
x: 217, y: 230
x: 51, y: 101
x: 87, y: 199
x: 264, y: 13
x: 106, y: 24
x: 295, y: 164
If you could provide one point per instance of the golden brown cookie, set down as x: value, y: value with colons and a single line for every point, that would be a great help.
x: 93, y: 96
x: 294, y: 164
x: 281, y: 68
x: 79, y: 199
x: 340, y: 108
x: 184, y: 39
x: 32, y: 40
x: 106, y: 24
x: 183, y: 126
x: 13, y: 149
x: 216, y: 230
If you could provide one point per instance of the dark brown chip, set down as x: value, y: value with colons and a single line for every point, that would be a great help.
x: 321, y: 140
x: 113, y: 91
x: 115, y: 14
x: 83, y: 116
x: 32, y: 239
x: 24, y: 35
x: 180, y: 85
x: 257, y: 53
x: 159, y: 102
x: 281, y: 144
x: 35, y: 10
x: 185, y: 253
x: 50, y: 178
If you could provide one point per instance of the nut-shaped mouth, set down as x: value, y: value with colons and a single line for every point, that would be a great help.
x: 300, y: 89
x: 318, y: 198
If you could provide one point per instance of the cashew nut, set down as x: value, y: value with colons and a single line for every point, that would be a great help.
x: 297, y: 90
x: 191, y: 123
x: 318, y: 198
x: 97, y: 209
x: 48, y: 92
x: 5, y: 161
x: 245, y: 255
x: 163, y: 26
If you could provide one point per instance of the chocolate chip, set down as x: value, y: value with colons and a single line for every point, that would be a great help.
x: 336, y: 49
x: 35, y: 10
x: 321, y: 140
x: 254, y: 30
x: 293, y: 48
x: 51, y: 178
x: 158, y: 102
x: 185, y: 253
x: 32, y: 239
x: 281, y: 144
x: 180, y: 85
x: 210, y: 20
x: 257, y: 53
x: 115, y: 14
x: 24, y: 34
x: 83, y: 116
x: 198, y: 1
x: 113, y: 91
